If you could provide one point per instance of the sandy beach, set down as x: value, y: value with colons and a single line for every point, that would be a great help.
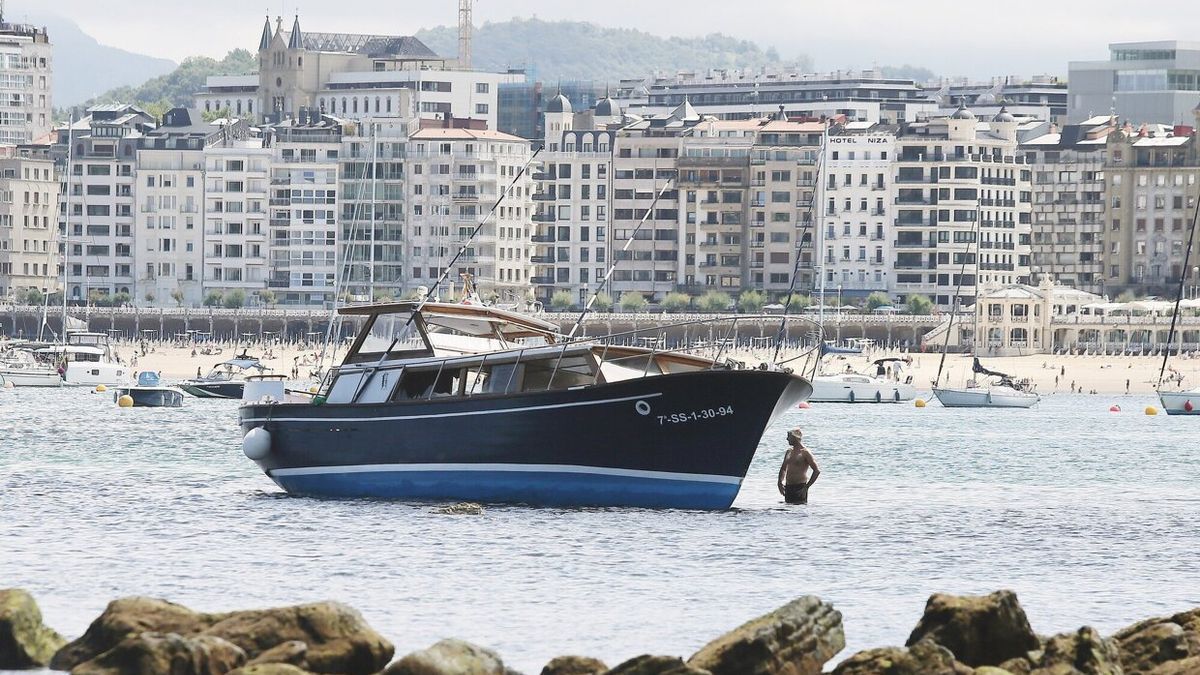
x: 1051, y: 373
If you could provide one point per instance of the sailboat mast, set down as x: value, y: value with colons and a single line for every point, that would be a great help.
x: 374, y: 187
x: 67, y: 221
x: 962, y: 270
x: 1187, y: 257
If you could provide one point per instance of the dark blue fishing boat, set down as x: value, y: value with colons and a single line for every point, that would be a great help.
x: 149, y: 393
x: 226, y: 380
x: 443, y: 401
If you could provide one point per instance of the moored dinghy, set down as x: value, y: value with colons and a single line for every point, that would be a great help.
x: 466, y: 403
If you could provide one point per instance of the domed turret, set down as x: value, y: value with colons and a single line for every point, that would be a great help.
x: 607, y: 107
x: 962, y: 113
x: 558, y: 104
x: 1004, y: 116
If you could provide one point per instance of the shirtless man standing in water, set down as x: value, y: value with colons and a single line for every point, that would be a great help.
x: 793, y: 475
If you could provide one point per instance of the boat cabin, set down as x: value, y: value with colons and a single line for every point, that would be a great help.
x: 410, y: 352
x: 234, y: 368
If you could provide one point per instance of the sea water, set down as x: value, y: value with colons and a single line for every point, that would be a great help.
x: 1088, y: 515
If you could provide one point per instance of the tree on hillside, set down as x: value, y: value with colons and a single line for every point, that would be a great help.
x: 177, y: 87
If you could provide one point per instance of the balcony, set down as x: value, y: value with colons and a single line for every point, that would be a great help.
x: 542, y: 259
x: 542, y: 239
x: 544, y: 197
x: 544, y: 218
x: 541, y: 281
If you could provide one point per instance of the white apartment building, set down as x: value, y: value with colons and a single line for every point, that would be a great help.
x: 26, y: 82
x: 237, y: 173
x: 98, y: 205
x: 855, y: 238
x: 963, y: 196
x: 304, y: 209
x: 169, y: 190
x: 574, y: 189
x: 28, y: 217
x: 455, y: 176
x: 372, y: 241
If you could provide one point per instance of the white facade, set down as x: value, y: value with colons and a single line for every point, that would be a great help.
x: 855, y: 238
x: 235, y: 212
x: 26, y: 81
x: 454, y: 178
x: 28, y: 214
x: 168, y: 254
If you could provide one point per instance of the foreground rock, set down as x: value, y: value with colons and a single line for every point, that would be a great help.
x: 325, y: 637
x: 979, y: 630
x: 449, y: 657
x: 796, y: 639
x: 923, y: 658
x: 25, y: 642
x: 125, y: 618
x: 656, y: 665
x: 337, y: 638
x: 1083, y: 652
x: 269, y: 669
x: 574, y: 665
x: 1148, y: 645
x: 166, y: 653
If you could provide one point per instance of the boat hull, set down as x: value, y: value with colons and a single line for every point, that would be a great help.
x: 151, y: 397
x: 202, y: 389
x: 92, y: 373
x: 672, y: 441
x: 31, y: 378
x: 1179, y: 402
x: 832, y: 389
x: 984, y: 397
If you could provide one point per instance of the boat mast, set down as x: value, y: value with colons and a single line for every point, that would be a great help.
x: 962, y: 270
x: 1187, y: 257
x: 374, y: 187
x: 820, y: 209
x: 67, y: 221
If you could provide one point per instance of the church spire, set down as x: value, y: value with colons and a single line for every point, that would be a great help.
x: 296, y: 42
x: 265, y: 40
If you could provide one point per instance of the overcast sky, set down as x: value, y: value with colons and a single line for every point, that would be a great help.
x: 977, y: 39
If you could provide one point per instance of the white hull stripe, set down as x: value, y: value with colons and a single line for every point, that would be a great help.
x: 397, y: 418
x: 505, y: 468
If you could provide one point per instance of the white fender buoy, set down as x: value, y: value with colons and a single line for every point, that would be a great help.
x: 256, y: 444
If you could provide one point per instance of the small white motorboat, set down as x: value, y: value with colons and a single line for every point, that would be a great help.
x: 852, y: 387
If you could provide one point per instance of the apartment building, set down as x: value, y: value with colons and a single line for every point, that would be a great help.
x: 784, y: 165
x: 304, y: 206
x: 855, y: 235
x: 1068, y: 229
x: 97, y: 213
x: 374, y: 209
x: 573, y: 197
x: 28, y: 217
x: 353, y: 76
x: 169, y: 178
x: 455, y: 177
x: 26, y: 82
x: 962, y: 208
x: 236, y: 197
x: 1151, y: 176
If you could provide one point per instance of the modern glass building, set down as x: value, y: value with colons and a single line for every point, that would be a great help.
x: 1150, y: 82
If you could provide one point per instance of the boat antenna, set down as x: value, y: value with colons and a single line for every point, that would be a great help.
x: 617, y: 259
x: 962, y: 272
x: 1187, y: 256
x: 804, y: 232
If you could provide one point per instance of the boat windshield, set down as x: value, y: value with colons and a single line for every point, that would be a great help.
x: 396, y: 334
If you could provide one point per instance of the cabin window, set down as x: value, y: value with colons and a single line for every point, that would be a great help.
x: 573, y: 371
x: 425, y: 384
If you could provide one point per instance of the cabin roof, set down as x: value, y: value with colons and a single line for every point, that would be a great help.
x: 475, y: 319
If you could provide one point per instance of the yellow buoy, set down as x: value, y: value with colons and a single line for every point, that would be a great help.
x: 101, y: 388
x: 125, y: 401
x: 1151, y: 410
x: 920, y: 403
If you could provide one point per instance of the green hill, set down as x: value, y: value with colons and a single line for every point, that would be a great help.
x: 576, y: 50
x: 176, y: 87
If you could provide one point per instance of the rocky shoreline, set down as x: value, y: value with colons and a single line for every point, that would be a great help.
x: 957, y: 635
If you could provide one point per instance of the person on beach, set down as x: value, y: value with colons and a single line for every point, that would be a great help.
x: 794, y: 480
